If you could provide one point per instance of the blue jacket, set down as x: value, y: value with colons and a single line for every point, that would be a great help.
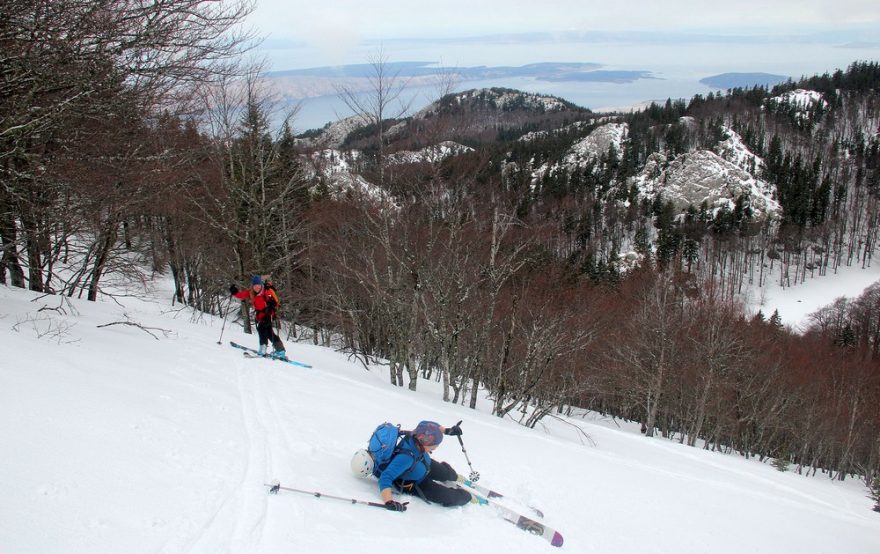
x: 401, y: 466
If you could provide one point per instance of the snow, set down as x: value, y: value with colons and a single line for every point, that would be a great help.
x: 796, y: 303
x: 734, y: 150
x: 339, y: 168
x: 431, y: 154
x: 801, y: 98
x: 597, y: 143
x: 539, y: 135
x: 114, y: 441
x: 704, y: 176
x: 506, y: 99
x: 333, y: 134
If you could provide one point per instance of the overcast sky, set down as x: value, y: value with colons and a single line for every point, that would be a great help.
x: 318, y: 22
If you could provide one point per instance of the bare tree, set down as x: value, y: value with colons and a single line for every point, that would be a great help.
x: 75, y: 73
x: 381, y: 99
x: 649, y: 348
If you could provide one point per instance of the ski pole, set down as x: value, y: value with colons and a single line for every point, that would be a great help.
x: 276, y: 486
x: 223, y: 328
x: 474, y: 475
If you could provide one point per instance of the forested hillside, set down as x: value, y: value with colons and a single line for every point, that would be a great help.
x: 553, y: 256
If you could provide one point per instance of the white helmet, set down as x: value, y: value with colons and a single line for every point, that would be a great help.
x: 362, y: 463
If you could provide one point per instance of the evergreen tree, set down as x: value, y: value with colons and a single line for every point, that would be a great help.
x: 691, y: 252
x: 781, y: 462
x: 846, y: 337
x: 776, y: 320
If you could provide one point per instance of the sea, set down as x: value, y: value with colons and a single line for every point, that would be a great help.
x: 676, y: 66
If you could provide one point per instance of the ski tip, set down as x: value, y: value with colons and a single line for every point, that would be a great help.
x: 557, y: 539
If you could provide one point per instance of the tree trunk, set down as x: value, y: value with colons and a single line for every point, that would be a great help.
x: 106, y: 240
x: 9, y: 260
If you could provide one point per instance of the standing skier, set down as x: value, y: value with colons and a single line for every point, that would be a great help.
x: 264, y: 301
x: 412, y: 471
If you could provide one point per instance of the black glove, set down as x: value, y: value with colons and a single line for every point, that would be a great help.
x: 455, y: 430
x: 395, y: 506
x: 271, y: 303
x: 233, y: 289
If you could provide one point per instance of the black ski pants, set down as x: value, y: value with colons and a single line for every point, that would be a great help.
x: 266, y: 332
x: 431, y: 489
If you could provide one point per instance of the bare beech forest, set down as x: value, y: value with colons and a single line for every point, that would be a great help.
x: 133, y: 140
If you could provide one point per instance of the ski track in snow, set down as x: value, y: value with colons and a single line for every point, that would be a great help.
x: 238, y: 519
x: 252, y: 509
x: 180, y: 441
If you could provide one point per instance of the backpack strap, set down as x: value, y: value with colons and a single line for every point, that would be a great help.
x: 416, y: 457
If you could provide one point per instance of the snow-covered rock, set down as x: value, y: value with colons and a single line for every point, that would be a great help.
x: 333, y: 134
x: 803, y: 101
x: 538, y: 135
x: 800, y: 97
x: 689, y: 121
x: 597, y: 144
x: 734, y: 150
x: 704, y: 176
x: 339, y: 172
x: 430, y: 154
x: 628, y: 262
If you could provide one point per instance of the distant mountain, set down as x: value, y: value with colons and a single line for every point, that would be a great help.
x: 314, y: 82
x: 471, y: 117
x: 546, y: 70
x: 726, y: 81
x: 600, y: 76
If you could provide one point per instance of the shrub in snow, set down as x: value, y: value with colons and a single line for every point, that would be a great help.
x: 875, y: 493
x: 781, y: 463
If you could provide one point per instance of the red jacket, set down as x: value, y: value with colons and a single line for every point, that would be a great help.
x: 260, y: 301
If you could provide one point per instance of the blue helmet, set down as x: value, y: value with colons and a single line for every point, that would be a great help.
x: 428, y: 433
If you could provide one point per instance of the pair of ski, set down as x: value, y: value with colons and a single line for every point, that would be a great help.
x: 483, y: 494
x: 526, y: 523
x: 252, y: 353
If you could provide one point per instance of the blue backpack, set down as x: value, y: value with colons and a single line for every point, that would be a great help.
x: 383, y: 444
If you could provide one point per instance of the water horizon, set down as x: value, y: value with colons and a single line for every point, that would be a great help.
x: 675, y: 68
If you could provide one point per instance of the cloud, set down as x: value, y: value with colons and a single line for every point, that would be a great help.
x: 326, y: 23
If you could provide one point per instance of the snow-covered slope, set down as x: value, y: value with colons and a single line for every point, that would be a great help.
x: 538, y: 135
x: 734, y: 150
x: 114, y: 441
x: 339, y: 171
x: 504, y: 99
x: 431, y: 154
x: 796, y: 303
x: 801, y: 101
x: 333, y: 134
x: 801, y: 98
